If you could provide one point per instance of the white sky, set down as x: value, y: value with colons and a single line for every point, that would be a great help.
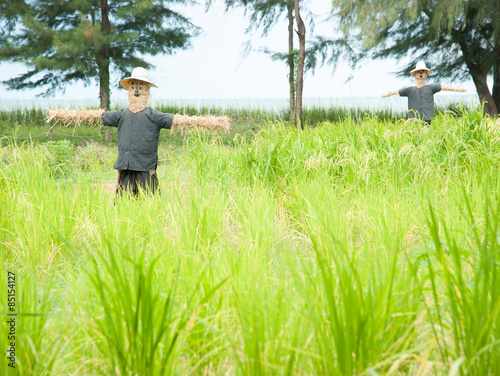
x: 213, y: 67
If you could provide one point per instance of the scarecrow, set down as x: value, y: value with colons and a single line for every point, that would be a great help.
x: 421, y: 97
x: 138, y: 128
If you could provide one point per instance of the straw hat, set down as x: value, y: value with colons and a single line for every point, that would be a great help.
x: 420, y: 66
x: 140, y: 74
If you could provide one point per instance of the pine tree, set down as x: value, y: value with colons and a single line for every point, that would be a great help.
x: 63, y: 41
x: 455, y: 38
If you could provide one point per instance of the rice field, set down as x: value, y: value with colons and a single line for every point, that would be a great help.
x: 360, y: 246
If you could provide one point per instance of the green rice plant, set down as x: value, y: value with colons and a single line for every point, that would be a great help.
x: 6, y: 211
x: 274, y: 155
x: 60, y: 155
x: 363, y: 294
x: 283, y: 252
x: 24, y: 116
x: 29, y: 187
x: 208, y: 157
x: 315, y: 115
x: 38, y: 335
x: 267, y: 333
x: 201, y: 218
x: 367, y: 323
x: 465, y: 285
x: 93, y: 156
x: 269, y: 326
x: 255, y: 216
x: 138, y: 324
x: 205, y: 345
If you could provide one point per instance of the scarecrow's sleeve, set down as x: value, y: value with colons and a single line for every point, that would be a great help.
x: 161, y: 119
x: 111, y: 118
x: 436, y: 88
x: 405, y: 92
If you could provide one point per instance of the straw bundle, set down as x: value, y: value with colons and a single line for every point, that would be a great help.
x: 67, y: 117
x: 205, y: 122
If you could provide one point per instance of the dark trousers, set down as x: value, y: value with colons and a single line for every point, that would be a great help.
x: 133, y: 181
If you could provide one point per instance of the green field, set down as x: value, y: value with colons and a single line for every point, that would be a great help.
x: 360, y: 246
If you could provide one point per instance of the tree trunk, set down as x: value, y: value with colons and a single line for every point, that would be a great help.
x: 478, y: 73
x: 301, y: 29
x: 483, y: 92
x: 496, y: 84
x: 291, y: 64
x: 103, y: 58
x: 104, y: 88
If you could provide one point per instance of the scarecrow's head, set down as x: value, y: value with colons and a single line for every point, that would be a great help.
x: 138, y: 89
x: 420, y: 72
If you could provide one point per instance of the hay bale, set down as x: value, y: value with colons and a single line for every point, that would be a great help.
x: 205, y: 122
x: 67, y: 117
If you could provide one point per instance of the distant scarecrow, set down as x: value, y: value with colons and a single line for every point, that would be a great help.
x: 421, y: 97
x: 138, y: 129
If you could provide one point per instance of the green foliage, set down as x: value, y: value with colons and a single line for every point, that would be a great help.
x: 63, y: 42
x: 94, y: 156
x: 312, y: 115
x: 263, y: 14
x: 346, y: 249
x: 139, y: 324
x: 360, y: 300
x: 60, y: 155
x: 21, y: 116
x: 34, y: 325
x: 471, y: 276
x: 348, y: 153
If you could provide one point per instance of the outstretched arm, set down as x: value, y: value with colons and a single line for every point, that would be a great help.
x: 79, y: 116
x: 206, y: 122
x: 451, y: 88
x: 390, y: 94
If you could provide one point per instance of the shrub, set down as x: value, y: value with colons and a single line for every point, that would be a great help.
x: 60, y: 155
x: 92, y: 156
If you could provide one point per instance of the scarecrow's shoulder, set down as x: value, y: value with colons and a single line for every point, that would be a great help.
x: 406, y: 91
x: 161, y: 119
x: 435, y: 88
x: 111, y: 118
x: 156, y: 112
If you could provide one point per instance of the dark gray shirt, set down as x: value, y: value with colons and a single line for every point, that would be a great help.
x: 420, y: 101
x: 138, y: 135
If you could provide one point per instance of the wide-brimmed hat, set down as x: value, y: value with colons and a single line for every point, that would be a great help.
x: 420, y: 66
x: 139, y: 74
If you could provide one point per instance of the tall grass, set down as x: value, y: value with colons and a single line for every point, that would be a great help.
x: 349, y: 248
x: 139, y: 326
x: 30, y: 123
x: 470, y: 277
